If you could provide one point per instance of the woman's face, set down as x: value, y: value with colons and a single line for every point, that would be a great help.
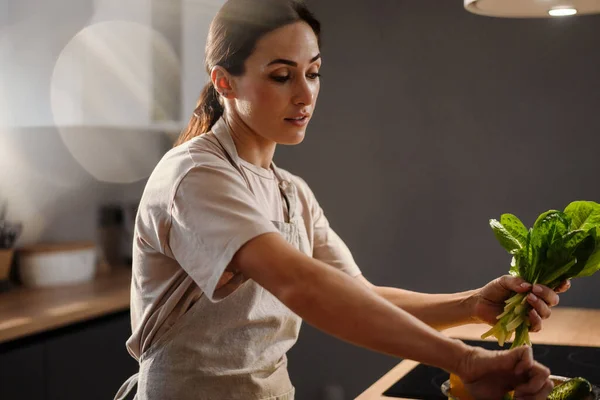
x: 276, y: 95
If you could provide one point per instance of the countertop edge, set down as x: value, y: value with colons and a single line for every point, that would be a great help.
x: 28, y: 311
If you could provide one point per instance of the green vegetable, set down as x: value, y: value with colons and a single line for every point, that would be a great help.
x: 561, y: 245
x: 573, y: 389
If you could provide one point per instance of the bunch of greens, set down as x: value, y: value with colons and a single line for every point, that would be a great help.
x: 561, y: 245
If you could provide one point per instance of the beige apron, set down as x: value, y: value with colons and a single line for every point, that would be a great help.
x: 235, y: 348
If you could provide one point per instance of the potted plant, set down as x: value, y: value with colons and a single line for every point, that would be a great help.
x: 9, y: 233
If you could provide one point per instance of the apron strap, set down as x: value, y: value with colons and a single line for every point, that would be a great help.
x: 127, y: 387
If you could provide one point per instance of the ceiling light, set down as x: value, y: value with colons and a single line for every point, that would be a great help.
x: 532, y: 8
x: 562, y: 12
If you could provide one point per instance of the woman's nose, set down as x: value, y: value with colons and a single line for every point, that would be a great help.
x: 304, y: 93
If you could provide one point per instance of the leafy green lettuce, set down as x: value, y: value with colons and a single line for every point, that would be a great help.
x: 561, y: 245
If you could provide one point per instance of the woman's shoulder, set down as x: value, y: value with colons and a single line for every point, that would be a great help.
x: 202, y: 151
x: 201, y: 156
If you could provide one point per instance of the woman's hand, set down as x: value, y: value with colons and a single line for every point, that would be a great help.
x: 491, y: 374
x: 489, y: 300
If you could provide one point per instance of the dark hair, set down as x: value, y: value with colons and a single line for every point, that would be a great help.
x: 232, y: 37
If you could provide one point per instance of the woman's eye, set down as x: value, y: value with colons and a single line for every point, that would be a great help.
x: 281, y: 78
x: 314, y: 75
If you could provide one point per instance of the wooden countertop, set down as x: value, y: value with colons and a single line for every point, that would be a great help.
x: 25, y: 311
x: 568, y: 326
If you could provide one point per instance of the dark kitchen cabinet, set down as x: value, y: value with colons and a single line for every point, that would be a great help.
x: 90, y: 362
x: 83, y: 361
x: 22, y: 370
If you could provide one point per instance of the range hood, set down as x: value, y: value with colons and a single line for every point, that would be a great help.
x: 532, y: 8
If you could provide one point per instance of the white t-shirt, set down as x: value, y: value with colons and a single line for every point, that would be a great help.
x: 199, y: 206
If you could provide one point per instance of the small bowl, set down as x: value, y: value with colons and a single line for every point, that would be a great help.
x: 44, y: 265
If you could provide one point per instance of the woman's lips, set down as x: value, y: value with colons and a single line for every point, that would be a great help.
x: 298, y: 121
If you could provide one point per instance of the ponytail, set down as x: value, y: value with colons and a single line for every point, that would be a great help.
x: 207, y: 113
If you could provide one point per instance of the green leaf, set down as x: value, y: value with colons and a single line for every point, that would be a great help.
x: 515, y: 227
x: 573, y: 239
x: 506, y: 239
x: 583, y: 252
x: 555, y: 276
x: 561, y: 250
x: 521, y: 265
x: 580, y: 256
x: 546, y: 235
x: 551, y: 225
x: 525, y: 259
x: 592, y: 265
x: 583, y: 214
x: 542, y: 216
x: 562, y: 226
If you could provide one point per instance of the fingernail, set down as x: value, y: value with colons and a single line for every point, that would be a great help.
x: 533, y: 297
x: 525, y: 285
x: 537, y: 289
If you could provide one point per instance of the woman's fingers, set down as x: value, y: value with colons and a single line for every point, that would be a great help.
x: 542, y: 393
x: 563, y: 287
x: 535, y: 321
x: 549, y: 296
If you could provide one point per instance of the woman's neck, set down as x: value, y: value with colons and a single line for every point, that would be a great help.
x: 250, y: 146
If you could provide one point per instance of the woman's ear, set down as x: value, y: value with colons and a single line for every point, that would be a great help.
x: 222, y: 81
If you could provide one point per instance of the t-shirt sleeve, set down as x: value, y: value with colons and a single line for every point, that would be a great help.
x: 213, y: 214
x: 328, y: 247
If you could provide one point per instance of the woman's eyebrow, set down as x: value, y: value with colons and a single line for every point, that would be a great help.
x: 292, y: 63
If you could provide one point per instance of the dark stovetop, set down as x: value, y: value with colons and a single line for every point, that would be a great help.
x: 424, y: 382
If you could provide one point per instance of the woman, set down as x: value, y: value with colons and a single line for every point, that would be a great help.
x: 232, y: 252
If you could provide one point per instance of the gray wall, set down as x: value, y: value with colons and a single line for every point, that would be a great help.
x: 431, y: 121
